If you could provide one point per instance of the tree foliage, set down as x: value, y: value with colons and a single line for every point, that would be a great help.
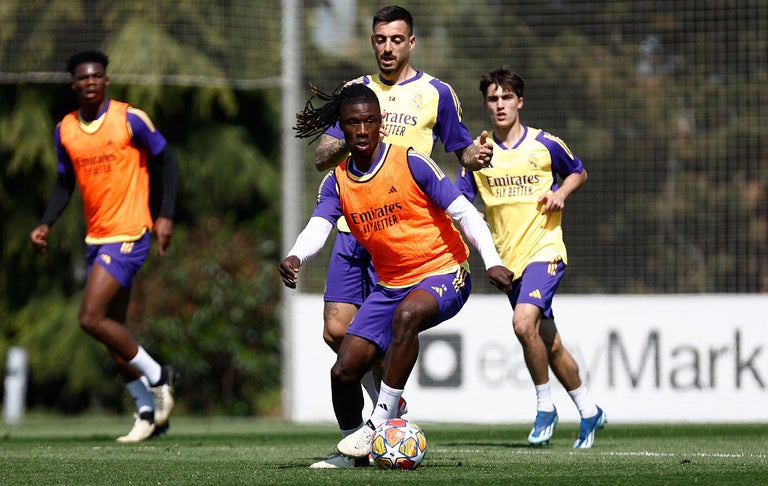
x: 664, y: 101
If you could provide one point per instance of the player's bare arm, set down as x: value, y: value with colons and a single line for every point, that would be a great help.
x: 555, y: 201
x: 330, y: 152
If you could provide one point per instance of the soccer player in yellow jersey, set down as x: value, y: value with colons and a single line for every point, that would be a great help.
x: 524, y: 207
x: 105, y: 146
x: 419, y: 109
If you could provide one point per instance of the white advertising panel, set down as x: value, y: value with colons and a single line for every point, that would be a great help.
x: 690, y: 358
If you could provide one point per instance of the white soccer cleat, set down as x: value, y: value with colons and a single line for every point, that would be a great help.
x: 163, y: 398
x: 142, y: 429
x: 340, y: 461
x: 358, y: 443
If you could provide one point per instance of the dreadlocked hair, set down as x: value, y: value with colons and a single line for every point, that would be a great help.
x: 312, y: 122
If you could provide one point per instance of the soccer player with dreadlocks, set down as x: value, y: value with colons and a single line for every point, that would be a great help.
x: 401, y: 207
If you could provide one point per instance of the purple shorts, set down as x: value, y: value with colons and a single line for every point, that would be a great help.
x: 538, y: 285
x: 121, y: 260
x: 351, y: 277
x: 373, y: 320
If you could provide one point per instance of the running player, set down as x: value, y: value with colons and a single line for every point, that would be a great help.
x: 105, y: 147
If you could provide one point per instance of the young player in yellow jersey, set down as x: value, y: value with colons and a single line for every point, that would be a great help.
x: 524, y: 207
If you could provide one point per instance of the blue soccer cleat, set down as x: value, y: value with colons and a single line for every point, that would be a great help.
x: 588, y: 428
x: 543, y: 427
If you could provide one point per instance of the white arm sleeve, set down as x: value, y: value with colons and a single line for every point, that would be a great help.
x: 476, y: 230
x: 311, y: 239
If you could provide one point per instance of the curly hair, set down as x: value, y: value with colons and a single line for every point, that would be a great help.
x: 86, y: 56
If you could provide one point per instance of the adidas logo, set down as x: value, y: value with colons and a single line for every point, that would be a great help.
x: 384, y: 406
x: 535, y: 294
x: 392, y: 190
x: 439, y: 290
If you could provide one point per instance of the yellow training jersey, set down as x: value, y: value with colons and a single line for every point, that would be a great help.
x: 510, y: 190
x: 417, y: 112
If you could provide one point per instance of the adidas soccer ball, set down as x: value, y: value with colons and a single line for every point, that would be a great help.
x: 398, y: 444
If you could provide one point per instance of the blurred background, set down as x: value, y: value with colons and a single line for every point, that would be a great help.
x: 664, y: 101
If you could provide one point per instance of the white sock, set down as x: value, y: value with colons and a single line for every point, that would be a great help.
x: 386, y: 406
x: 544, y: 401
x: 142, y: 397
x: 583, y: 401
x: 148, y: 366
x: 369, y: 384
x: 346, y: 432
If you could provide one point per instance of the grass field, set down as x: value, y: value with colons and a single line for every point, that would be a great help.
x: 48, y: 450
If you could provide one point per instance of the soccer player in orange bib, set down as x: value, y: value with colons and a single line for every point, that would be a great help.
x: 524, y: 208
x: 105, y: 146
x: 419, y: 110
x: 400, y: 206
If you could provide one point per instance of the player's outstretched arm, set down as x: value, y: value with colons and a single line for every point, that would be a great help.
x: 309, y: 242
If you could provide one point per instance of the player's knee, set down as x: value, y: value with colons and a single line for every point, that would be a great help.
x: 89, y: 321
x: 408, y: 320
x: 524, y: 328
x: 343, y: 373
x: 333, y: 340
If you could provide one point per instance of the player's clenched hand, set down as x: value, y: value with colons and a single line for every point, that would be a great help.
x: 501, y: 278
x: 551, y: 202
x: 39, y: 237
x: 164, y: 231
x: 289, y: 271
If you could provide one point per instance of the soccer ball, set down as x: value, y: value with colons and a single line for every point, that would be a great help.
x: 398, y: 444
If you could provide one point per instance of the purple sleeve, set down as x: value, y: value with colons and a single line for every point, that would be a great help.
x: 563, y: 161
x: 449, y: 128
x: 64, y: 162
x: 144, y: 135
x: 432, y: 180
x: 335, y: 131
x: 328, y: 204
x: 465, y: 181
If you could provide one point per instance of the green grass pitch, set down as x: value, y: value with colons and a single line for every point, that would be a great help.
x: 47, y: 450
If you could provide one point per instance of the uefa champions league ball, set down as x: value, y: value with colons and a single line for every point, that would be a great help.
x: 398, y: 444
